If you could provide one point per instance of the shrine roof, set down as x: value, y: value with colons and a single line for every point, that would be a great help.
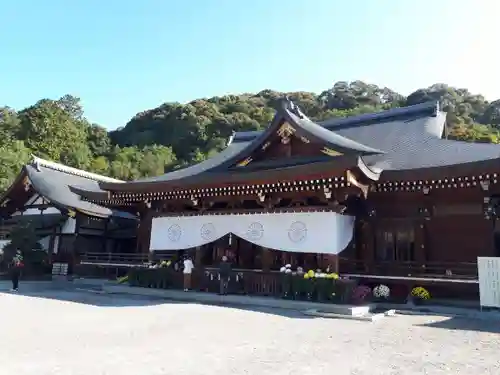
x: 383, y: 145
x: 242, y: 145
x: 411, y: 138
x: 52, y: 181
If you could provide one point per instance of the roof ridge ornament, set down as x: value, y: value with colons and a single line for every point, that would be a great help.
x: 437, y: 108
x: 292, y: 107
x: 231, y: 139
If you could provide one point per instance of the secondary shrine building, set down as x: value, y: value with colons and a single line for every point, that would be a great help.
x: 65, y: 225
x: 383, y: 194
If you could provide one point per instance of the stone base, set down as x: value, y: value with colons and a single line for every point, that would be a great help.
x: 209, y: 298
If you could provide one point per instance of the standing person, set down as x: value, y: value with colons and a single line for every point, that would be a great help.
x: 15, y: 273
x: 188, y: 269
x: 224, y: 272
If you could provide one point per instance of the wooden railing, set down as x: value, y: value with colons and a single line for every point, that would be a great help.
x: 416, y: 269
x: 249, y: 282
x: 114, y: 259
x: 253, y: 282
x: 120, y: 258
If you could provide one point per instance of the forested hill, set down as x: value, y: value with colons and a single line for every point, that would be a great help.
x: 174, y: 135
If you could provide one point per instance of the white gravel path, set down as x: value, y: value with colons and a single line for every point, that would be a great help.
x: 124, y: 335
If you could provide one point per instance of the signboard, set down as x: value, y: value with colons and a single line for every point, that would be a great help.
x: 489, y: 281
x: 60, y: 269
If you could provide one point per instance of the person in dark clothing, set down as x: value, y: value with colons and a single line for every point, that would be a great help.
x: 15, y: 273
x: 224, y: 273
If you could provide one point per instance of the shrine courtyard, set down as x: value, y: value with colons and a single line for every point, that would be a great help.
x: 78, y: 332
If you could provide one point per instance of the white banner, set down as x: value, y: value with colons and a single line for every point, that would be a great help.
x: 304, y: 232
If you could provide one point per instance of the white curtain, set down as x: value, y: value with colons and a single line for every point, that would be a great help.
x: 304, y: 232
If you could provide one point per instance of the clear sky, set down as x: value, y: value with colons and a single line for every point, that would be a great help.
x: 124, y: 56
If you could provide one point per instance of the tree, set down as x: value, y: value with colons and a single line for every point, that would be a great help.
x: 23, y: 241
x: 50, y: 131
x: 13, y: 155
x: 174, y: 135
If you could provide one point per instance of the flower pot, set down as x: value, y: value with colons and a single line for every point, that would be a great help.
x: 418, y: 301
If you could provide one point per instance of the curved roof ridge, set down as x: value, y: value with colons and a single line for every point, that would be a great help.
x: 431, y: 108
x: 70, y: 170
x: 329, y: 136
x: 427, y: 108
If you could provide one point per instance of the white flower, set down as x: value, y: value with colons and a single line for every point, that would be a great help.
x: 288, y: 270
x: 283, y: 269
x: 381, y: 291
x: 288, y: 266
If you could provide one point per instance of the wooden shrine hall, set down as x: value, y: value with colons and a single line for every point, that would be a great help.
x: 382, y: 194
x: 64, y: 224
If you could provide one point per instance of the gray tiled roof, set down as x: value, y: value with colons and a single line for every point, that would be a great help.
x: 237, y: 145
x: 414, y: 144
x: 337, y: 141
x: 410, y: 138
x: 244, y: 142
x: 399, y: 139
x: 54, y: 185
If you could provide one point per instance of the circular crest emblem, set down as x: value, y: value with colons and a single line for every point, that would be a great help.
x: 174, y: 233
x: 297, y: 232
x: 255, y: 231
x: 207, y: 231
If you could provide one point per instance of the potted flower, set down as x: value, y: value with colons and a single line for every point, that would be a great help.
x: 419, y: 295
x: 361, y: 294
x: 309, y: 284
x: 381, y: 292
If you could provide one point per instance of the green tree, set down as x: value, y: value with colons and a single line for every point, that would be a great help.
x: 50, y: 131
x: 174, y: 135
x: 23, y: 239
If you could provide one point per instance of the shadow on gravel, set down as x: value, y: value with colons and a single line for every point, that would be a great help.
x: 465, y: 324
x: 93, y: 298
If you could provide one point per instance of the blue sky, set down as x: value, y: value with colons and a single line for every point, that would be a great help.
x: 122, y: 57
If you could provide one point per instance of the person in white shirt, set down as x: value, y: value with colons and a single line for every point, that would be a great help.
x: 188, y: 269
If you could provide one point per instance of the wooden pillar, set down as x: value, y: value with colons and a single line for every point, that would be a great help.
x: 367, y: 244
x: 105, y: 236
x: 52, y: 242
x: 198, y: 256
x: 144, y: 233
x: 420, y: 242
x: 419, y: 228
x: 267, y: 259
x: 334, y: 263
x: 491, y: 219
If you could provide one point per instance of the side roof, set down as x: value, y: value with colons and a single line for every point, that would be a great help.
x: 52, y: 181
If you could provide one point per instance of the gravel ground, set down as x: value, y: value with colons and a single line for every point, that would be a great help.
x: 70, y: 332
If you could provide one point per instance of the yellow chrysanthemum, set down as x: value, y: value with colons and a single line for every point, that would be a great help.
x: 420, y: 292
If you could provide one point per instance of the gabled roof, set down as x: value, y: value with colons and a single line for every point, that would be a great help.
x: 411, y: 138
x: 302, y: 127
x: 242, y: 145
x: 52, y: 181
